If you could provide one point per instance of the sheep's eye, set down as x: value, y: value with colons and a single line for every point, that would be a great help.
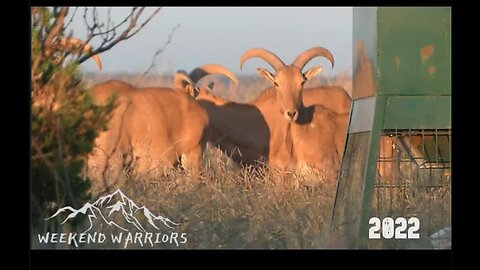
x: 275, y: 83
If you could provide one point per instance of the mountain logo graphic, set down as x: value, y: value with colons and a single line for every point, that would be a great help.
x: 114, y: 204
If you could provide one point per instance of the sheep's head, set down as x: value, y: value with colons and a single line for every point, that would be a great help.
x: 288, y: 80
x: 188, y: 82
x: 182, y: 81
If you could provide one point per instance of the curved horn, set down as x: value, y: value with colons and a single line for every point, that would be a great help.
x: 179, y: 78
x: 311, y: 53
x: 97, y: 60
x: 264, y: 54
x: 208, y: 69
x: 73, y: 43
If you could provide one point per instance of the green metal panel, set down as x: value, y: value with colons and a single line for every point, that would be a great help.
x: 402, y: 51
x: 418, y: 112
x: 402, y: 58
x: 414, y: 51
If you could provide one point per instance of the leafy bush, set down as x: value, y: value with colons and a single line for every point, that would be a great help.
x: 64, y: 122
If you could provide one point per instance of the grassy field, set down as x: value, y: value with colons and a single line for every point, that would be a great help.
x: 229, y: 207
x: 240, y: 207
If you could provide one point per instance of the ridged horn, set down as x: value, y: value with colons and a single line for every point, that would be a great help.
x: 179, y: 78
x: 269, y: 57
x: 208, y: 69
x: 311, y: 53
x: 97, y: 60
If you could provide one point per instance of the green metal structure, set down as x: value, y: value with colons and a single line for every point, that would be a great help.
x: 396, y: 161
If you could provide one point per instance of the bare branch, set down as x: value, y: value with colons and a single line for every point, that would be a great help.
x: 134, y: 19
x: 52, y: 34
x: 89, y: 28
x: 37, y: 20
x: 57, y: 26
x: 158, y: 52
x: 144, y: 23
x: 95, y: 19
x: 109, y: 18
x: 71, y: 19
x: 131, y: 30
x: 35, y: 65
x: 113, y: 29
x: 55, y: 11
x: 41, y: 155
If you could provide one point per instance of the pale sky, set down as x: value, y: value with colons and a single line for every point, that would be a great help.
x: 221, y: 35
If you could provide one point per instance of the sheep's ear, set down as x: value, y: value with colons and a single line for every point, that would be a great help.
x: 311, y: 72
x: 267, y: 75
x: 192, y: 90
x: 182, y: 81
x: 189, y: 88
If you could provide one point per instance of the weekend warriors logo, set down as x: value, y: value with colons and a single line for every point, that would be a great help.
x: 114, y: 219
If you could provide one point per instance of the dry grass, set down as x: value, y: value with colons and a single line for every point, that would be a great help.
x: 237, y: 207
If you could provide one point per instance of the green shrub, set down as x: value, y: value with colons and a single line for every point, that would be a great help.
x: 64, y: 124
